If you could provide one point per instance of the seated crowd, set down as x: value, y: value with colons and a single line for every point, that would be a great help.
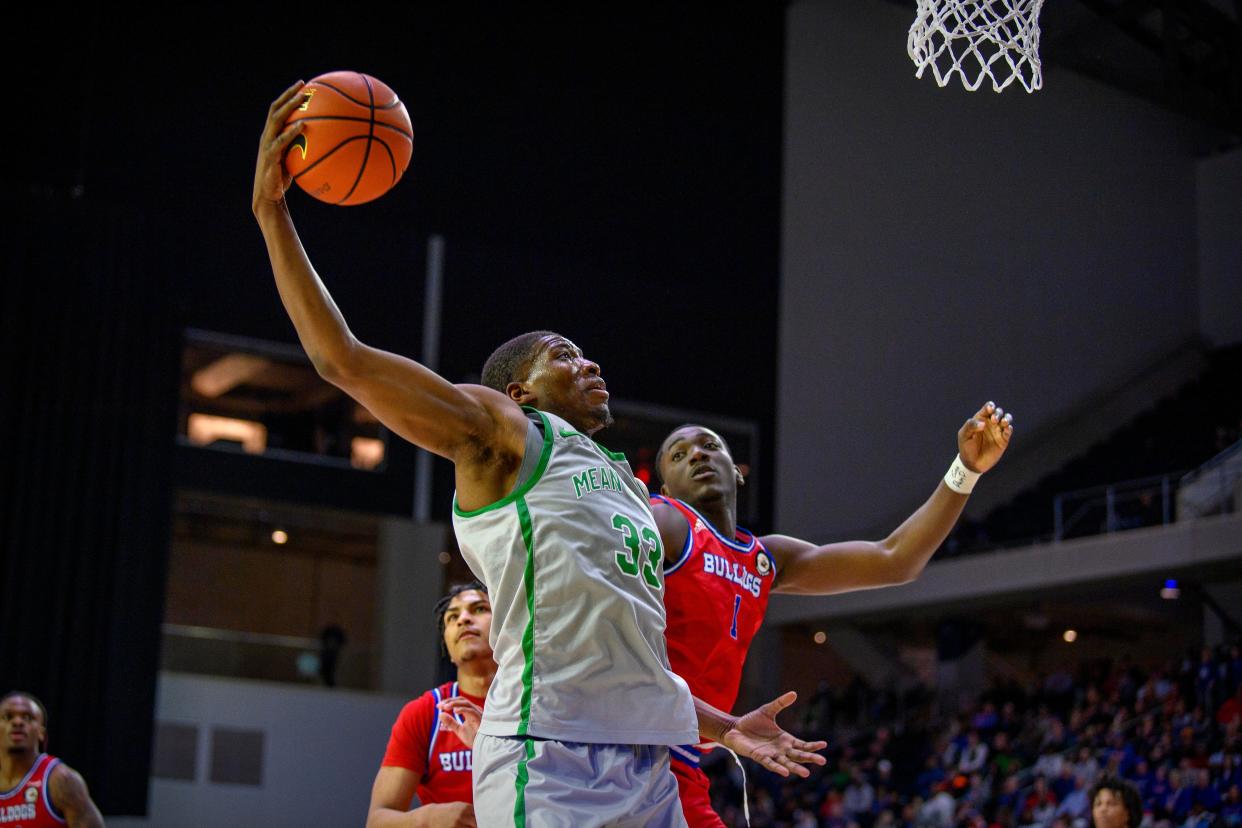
x: 1018, y: 756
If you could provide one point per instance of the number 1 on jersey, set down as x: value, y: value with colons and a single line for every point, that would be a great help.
x: 737, y: 605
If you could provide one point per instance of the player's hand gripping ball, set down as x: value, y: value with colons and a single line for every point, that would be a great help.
x: 356, y: 141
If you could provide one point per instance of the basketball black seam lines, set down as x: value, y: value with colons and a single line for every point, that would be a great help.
x: 396, y: 102
x: 370, y: 135
x: 328, y: 155
x: 392, y: 160
x: 396, y: 129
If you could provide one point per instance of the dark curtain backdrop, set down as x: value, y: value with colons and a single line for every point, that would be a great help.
x: 89, y: 387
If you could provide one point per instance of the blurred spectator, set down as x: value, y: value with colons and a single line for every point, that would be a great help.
x: 1231, y: 808
x: 1230, y: 713
x: 1040, y: 805
x: 1048, y: 745
x: 1115, y: 804
x: 938, y: 811
x: 859, y: 796
x: 974, y: 755
x: 930, y: 778
x: 1076, y: 803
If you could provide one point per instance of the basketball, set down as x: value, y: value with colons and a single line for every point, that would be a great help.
x: 356, y: 142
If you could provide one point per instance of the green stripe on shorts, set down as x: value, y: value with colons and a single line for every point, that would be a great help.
x: 519, y: 805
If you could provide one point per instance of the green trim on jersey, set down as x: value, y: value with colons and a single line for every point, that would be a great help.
x: 611, y: 455
x: 523, y: 776
x: 526, y: 486
x: 619, y: 456
x: 528, y: 635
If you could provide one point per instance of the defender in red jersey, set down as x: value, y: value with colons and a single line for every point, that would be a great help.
x: 425, y: 755
x: 37, y: 790
x: 718, y: 576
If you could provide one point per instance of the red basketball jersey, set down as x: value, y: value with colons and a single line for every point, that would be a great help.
x: 715, y: 596
x: 29, y: 804
x: 442, y: 761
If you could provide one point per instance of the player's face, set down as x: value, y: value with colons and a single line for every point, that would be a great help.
x: 563, y: 381
x: 696, y: 466
x: 21, y: 725
x: 467, y: 625
x: 1109, y: 811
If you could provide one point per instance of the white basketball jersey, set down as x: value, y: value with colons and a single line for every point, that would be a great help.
x: 573, y: 562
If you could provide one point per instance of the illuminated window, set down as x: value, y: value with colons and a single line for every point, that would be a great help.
x: 266, y: 398
x: 210, y: 430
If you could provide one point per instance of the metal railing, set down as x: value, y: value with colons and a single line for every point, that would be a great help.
x: 1214, y: 487
x: 1115, y: 507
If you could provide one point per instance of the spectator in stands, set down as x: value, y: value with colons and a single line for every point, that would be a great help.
x: 1064, y: 782
x: 1204, y: 793
x: 1140, y: 776
x: 1086, y: 768
x: 931, y: 777
x: 859, y: 797
x: 938, y: 812
x: 1076, y: 803
x: 1004, y: 760
x: 1040, y: 805
x: 1011, y: 799
x: 1181, y: 796
x: 1115, y: 804
x: 1230, y: 713
x: 1231, y: 807
x: 974, y: 756
x: 1158, y: 791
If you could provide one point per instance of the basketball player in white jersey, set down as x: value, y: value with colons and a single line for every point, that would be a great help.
x: 583, y: 708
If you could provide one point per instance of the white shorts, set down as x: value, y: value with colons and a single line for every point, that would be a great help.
x: 533, y: 783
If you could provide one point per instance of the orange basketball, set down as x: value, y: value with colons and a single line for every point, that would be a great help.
x: 357, y: 140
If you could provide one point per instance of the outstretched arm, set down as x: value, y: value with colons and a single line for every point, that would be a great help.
x: 806, y: 569
x: 71, y: 798
x: 457, y: 422
x: 757, y: 735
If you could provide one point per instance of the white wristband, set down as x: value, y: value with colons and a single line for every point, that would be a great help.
x: 959, y: 478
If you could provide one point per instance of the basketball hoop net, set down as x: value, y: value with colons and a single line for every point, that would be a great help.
x: 977, y: 39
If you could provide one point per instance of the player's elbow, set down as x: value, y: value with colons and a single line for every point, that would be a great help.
x: 338, y: 364
x: 901, y: 568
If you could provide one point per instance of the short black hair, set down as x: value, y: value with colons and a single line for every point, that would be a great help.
x: 660, y: 452
x: 443, y: 604
x: 511, y: 361
x: 37, y: 703
x: 1129, y: 797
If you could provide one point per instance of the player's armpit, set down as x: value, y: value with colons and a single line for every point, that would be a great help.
x: 72, y: 798
x: 673, y: 529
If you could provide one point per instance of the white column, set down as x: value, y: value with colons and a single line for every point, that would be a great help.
x: 410, y: 579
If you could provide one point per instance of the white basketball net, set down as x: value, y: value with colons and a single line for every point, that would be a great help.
x: 977, y: 39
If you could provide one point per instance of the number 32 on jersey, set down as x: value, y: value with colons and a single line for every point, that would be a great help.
x: 643, y: 550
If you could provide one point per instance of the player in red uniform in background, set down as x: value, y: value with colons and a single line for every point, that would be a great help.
x: 718, y: 576
x: 37, y: 790
x: 423, y: 755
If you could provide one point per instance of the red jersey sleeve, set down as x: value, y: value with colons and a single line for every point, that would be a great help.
x: 408, y: 744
